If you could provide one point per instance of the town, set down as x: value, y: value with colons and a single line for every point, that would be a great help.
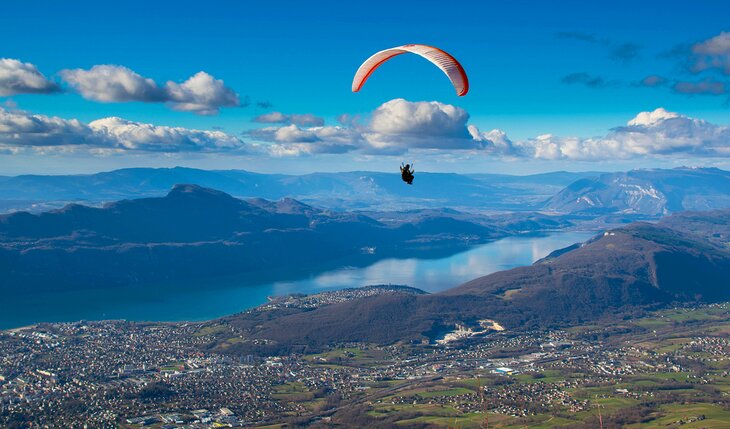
x: 111, y: 374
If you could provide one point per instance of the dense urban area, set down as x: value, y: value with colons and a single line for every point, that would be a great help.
x: 663, y: 369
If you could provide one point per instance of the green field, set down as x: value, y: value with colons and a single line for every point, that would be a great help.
x: 660, y: 395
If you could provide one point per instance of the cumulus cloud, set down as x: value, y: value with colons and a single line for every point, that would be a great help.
x: 398, y: 126
x: 201, y: 93
x: 495, y: 142
x: 108, y: 83
x: 393, y: 128
x: 306, y: 119
x: 400, y: 117
x: 23, y: 78
x: 292, y: 140
x: 652, y: 118
x: 288, y: 134
x: 131, y: 135
x: 22, y: 129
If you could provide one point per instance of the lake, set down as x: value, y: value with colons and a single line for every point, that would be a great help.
x: 210, y: 299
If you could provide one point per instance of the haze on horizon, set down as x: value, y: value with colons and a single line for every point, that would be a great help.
x: 566, y: 86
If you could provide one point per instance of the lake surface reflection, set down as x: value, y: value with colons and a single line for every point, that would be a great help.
x: 210, y: 299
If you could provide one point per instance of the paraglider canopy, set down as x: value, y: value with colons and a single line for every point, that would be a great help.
x: 440, y: 58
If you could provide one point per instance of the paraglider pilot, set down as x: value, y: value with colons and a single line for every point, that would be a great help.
x: 406, y: 173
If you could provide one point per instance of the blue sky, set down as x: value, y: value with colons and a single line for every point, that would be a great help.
x: 569, y: 69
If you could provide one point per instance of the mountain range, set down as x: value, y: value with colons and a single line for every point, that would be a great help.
x: 196, y: 233
x: 647, y: 192
x: 653, y: 192
x: 199, y: 233
x: 685, y: 258
x: 347, y: 190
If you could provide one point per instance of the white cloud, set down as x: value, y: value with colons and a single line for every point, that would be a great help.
x: 286, y: 134
x: 23, y: 78
x: 299, y: 149
x: 420, y: 119
x: 201, y: 93
x: 495, y: 142
x: 292, y: 140
x: 22, y: 129
x: 19, y: 129
x: 294, y: 134
x: 399, y: 126
x: 652, y: 118
x: 109, y: 83
x: 140, y: 136
x: 656, y: 133
x: 394, y: 127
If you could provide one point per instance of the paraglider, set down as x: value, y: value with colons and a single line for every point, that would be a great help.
x: 443, y: 60
x: 406, y: 173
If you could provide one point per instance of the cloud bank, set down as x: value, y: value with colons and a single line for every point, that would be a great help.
x: 394, y: 128
x: 656, y: 133
x: 21, y: 130
x: 399, y: 126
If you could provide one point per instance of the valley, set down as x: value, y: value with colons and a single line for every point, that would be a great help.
x: 628, y: 326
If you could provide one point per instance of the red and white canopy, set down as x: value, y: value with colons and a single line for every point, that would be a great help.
x: 441, y: 59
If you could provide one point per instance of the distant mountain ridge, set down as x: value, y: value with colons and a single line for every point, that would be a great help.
x: 197, y: 233
x: 649, y: 192
x: 347, y: 190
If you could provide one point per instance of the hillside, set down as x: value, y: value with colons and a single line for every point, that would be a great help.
x: 648, y: 192
x: 632, y: 268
